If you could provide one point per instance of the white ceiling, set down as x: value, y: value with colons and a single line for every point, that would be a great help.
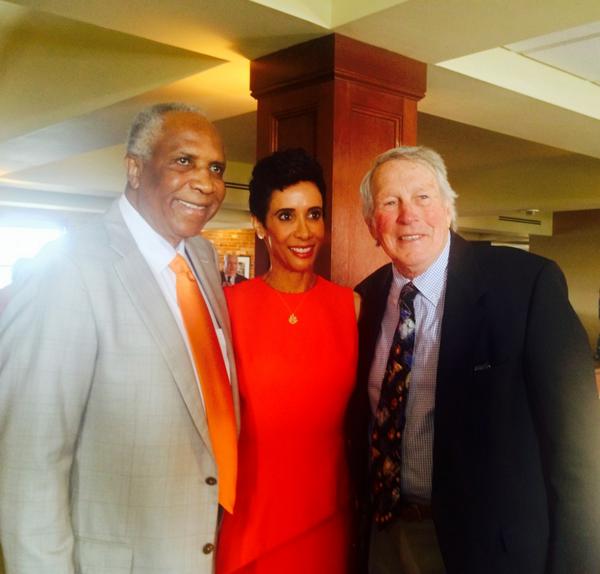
x: 513, y: 96
x: 575, y: 51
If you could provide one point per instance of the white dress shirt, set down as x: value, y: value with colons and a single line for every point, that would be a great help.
x: 159, y: 253
x: 417, y: 440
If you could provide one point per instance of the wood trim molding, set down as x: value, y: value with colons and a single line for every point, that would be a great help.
x: 336, y: 56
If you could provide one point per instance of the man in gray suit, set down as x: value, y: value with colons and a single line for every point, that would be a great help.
x: 106, y: 464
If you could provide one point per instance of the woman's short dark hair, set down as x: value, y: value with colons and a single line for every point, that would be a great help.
x: 279, y: 171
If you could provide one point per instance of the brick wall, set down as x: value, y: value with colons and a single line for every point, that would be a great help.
x: 238, y: 241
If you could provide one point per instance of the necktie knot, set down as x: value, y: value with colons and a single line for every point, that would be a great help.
x: 179, y: 266
x: 408, y: 293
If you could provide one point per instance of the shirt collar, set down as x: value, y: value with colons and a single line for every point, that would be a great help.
x: 156, y: 250
x: 432, y: 281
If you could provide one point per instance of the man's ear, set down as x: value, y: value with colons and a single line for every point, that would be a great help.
x: 259, y: 228
x: 134, y: 166
x: 449, y: 217
x: 372, y: 229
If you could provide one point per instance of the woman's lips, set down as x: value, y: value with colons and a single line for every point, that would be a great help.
x: 304, y: 252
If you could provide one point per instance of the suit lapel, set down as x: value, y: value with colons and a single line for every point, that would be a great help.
x: 202, y: 260
x: 147, y: 297
x: 462, y: 327
x: 372, y: 310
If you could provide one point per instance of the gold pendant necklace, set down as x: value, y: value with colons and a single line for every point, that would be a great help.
x: 292, y: 318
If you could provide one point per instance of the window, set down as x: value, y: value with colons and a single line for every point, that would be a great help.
x: 22, y: 243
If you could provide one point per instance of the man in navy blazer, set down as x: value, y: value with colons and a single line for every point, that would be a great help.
x: 499, y: 463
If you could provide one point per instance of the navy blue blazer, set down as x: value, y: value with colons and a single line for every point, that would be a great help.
x: 516, y: 461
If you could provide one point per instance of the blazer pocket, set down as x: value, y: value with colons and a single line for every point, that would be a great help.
x: 103, y: 557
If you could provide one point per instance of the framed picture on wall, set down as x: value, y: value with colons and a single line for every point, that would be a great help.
x: 244, y: 265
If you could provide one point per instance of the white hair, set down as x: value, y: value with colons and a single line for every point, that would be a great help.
x: 419, y: 154
x: 147, y: 125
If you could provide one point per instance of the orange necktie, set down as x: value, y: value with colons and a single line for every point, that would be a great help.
x: 214, y: 382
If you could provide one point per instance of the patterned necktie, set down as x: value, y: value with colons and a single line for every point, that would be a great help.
x: 216, y: 390
x: 386, y: 438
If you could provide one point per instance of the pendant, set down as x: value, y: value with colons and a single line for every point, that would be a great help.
x: 292, y: 319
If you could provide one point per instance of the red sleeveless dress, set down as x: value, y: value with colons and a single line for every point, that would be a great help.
x: 292, y: 506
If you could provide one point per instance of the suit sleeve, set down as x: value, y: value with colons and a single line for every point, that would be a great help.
x: 566, y: 412
x: 47, y: 352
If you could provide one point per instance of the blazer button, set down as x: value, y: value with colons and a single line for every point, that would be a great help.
x: 211, y: 480
x: 208, y: 548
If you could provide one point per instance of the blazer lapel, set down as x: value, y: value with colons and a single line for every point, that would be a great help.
x: 462, y: 327
x: 372, y: 309
x: 147, y: 297
x: 202, y: 258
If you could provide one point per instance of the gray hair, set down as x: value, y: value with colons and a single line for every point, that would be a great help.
x: 147, y: 124
x: 419, y: 154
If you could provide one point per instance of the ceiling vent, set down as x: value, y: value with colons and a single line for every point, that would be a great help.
x: 520, y: 220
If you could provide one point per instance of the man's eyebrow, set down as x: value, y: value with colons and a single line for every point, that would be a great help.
x: 183, y: 151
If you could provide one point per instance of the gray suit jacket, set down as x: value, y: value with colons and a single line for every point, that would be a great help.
x: 104, y: 446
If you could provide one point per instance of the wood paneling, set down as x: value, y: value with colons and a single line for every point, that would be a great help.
x: 340, y: 57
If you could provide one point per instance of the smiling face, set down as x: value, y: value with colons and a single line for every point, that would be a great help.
x: 411, y: 219
x: 294, y: 228
x: 180, y: 187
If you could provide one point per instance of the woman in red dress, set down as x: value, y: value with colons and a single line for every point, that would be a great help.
x: 295, y: 339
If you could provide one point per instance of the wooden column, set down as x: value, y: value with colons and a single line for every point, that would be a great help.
x: 344, y: 102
